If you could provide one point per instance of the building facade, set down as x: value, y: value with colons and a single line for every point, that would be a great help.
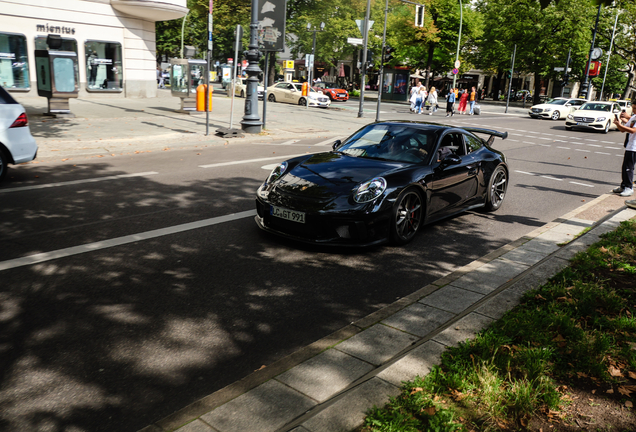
x: 114, y: 41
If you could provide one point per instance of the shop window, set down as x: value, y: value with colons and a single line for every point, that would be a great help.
x: 68, y: 44
x: 14, y: 64
x: 400, y: 84
x: 104, y: 70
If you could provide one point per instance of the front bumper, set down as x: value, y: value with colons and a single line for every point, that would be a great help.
x: 337, y: 229
x: 541, y: 114
x: 585, y: 123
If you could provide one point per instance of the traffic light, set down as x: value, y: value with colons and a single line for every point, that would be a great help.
x: 419, y: 15
x: 369, y: 57
x: 388, y: 53
x: 509, y: 74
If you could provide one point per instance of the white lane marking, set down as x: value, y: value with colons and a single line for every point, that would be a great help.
x: 517, y: 134
x: 328, y: 142
x: 608, y: 142
x: 561, y: 136
x: 551, y: 178
x: 281, y: 158
x: 594, y: 145
x: 608, y: 154
x: 613, y: 148
x: 528, y: 142
x: 91, y: 247
x: 582, y: 150
x: 523, y: 172
x: 565, y: 148
x: 294, y: 141
x: 509, y: 139
x: 74, y: 182
x: 544, y: 138
x: 582, y: 184
x: 545, y: 145
x: 269, y: 167
x: 588, y: 139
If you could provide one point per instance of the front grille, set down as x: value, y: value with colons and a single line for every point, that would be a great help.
x: 537, y: 110
x: 584, y: 119
x: 323, y: 99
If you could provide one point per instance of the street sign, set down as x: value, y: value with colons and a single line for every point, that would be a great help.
x: 288, y: 64
x: 271, y: 24
x: 457, y: 63
x: 360, y: 24
x: 455, y: 71
x: 309, y: 61
x: 354, y: 41
x: 561, y: 69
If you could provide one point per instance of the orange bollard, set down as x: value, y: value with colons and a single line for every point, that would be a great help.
x: 201, y: 97
x: 305, y: 89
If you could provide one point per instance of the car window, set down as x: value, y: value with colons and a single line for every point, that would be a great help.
x: 577, y: 102
x: 590, y: 106
x: 6, y: 98
x: 473, y: 143
x: 396, y: 143
x: 281, y: 85
x: 556, y: 101
x: 452, y: 143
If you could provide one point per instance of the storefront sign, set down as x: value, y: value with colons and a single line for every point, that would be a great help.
x: 45, y: 28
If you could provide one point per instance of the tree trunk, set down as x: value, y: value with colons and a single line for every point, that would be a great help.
x: 630, y: 82
x: 537, y: 88
x: 271, y: 65
x: 497, y: 86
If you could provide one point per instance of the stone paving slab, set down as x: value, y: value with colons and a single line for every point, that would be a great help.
x: 487, y: 278
x: 325, y: 375
x: 265, y: 409
x: 348, y: 413
x: 464, y: 329
x: 417, y: 362
x: 524, y: 256
x: 418, y: 319
x: 497, y: 306
x: 451, y: 299
x: 377, y: 344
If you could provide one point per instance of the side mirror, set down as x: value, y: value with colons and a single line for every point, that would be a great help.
x: 336, y: 144
x: 568, y: 105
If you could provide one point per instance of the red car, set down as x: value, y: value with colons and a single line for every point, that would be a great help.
x: 332, y: 91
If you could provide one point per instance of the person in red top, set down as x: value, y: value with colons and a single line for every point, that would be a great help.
x: 471, y: 100
x: 463, y: 99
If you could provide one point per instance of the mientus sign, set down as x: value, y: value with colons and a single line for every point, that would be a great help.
x: 46, y: 28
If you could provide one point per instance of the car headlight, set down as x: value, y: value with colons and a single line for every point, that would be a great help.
x: 547, y: 109
x: 600, y: 119
x: 277, y: 172
x: 370, y: 190
x: 570, y: 117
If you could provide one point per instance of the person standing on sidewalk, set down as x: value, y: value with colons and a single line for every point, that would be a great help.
x: 421, y: 99
x: 471, y: 100
x: 463, y: 99
x: 629, y: 159
x: 414, y: 93
x: 432, y: 100
x: 450, y: 103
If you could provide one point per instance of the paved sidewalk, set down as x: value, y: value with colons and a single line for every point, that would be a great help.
x: 113, y: 126
x: 329, y: 385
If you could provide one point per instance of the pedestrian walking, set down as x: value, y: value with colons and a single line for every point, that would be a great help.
x: 160, y: 79
x: 471, y: 100
x: 463, y: 100
x: 450, y: 103
x: 414, y: 92
x: 432, y: 100
x: 421, y: 99
x: 626, y: 187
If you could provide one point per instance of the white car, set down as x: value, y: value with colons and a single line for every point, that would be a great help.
x: 594, y: 115
x: 17, y: 145
x: 293, y: 93
x: 625, y: 105
x: 240, y: 89
x: 555, y: 109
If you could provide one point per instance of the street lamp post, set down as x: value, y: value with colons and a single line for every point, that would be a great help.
x: 585, y: 86
x: 251, y: 122
x: 310, y: 70
x: 459, y: 38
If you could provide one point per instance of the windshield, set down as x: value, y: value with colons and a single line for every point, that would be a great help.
x: 396, y: 143
x: 556, y: 101
x: 590, y: 106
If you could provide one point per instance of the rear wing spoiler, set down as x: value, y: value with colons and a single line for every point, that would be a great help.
x: 492, y: 133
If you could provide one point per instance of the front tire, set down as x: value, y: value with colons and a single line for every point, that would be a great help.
x: 556, y: 115
x: 242, y: 94
x: 302, y: 101
x: 497, y: 187
x: 607, y: 127
x: 271, y: 98
x: 406, y: 217
x: 3, y: 165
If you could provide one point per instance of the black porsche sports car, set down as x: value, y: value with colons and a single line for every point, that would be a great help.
x: 383, y: 183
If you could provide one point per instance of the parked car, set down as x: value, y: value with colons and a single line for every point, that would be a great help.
x: 625, y: 105
x: 555, y: 109
x: 292, y: 93
x: 332, y: 91
x: 17, y: 145
x: 240, y: 89
x: 521, y: 95
x: 383, y: 183
x: 594, y: 116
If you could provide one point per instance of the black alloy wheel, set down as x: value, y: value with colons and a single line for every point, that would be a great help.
x: 242, y: 94
x: 302, y: 101
x: 407, y: 217
x: 497, y: 187
x: 271, y: 98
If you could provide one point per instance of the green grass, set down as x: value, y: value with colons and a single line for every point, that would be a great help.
x: 579, y: 324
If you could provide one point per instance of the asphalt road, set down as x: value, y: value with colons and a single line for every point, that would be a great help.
x: 135, y: 286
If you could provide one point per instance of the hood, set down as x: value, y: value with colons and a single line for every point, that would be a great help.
x: 326, y: 175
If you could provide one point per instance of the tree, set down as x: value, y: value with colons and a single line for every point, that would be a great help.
x: 551, y: 32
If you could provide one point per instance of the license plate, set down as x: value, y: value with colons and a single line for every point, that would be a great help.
x: 582, y: 124
x: 291, y: 215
